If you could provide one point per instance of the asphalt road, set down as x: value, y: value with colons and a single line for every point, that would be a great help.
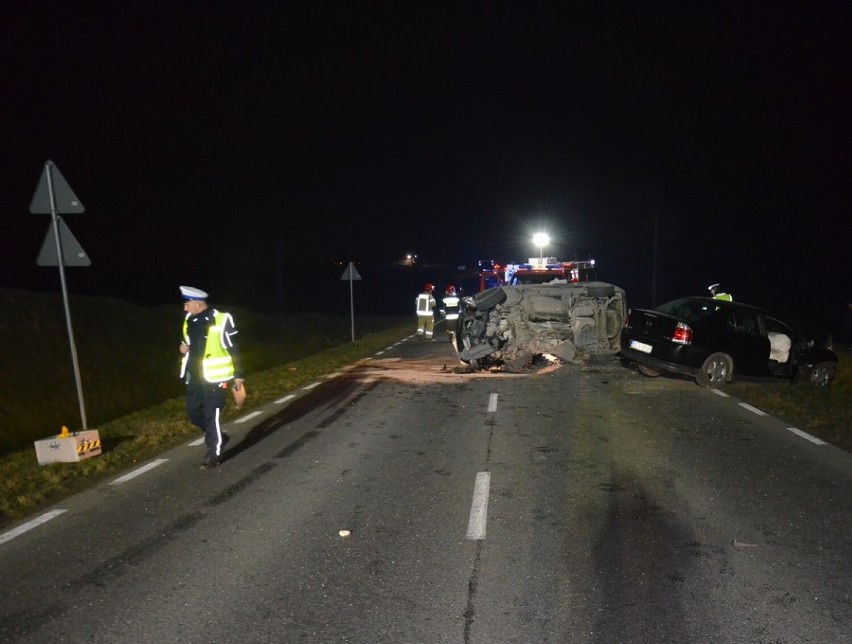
x: 570, y: 505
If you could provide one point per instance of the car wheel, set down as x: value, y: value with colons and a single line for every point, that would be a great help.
x: 601, y: 291
x: 822, y: 374
x: 490, y: 298
x: 645, y: 370
x: 716, y: 370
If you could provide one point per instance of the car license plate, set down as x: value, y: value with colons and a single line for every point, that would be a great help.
x: 640, y: 346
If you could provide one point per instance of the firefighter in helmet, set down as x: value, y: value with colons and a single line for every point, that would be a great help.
x: 451, y: 309
x: 425, y: 312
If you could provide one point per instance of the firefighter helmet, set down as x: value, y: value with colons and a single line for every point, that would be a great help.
x: 429, y: 287
x: 451, y: 289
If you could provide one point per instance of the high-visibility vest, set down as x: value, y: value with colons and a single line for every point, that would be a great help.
x: 425, y: 302
x: 451, y: 303
x: 217, y: 364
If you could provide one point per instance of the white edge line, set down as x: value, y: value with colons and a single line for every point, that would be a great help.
x: 285, y: 399
x: 138, y: 471
x: 197, y: 442
x: 753, y: 410
x: 248, y: 417
x: 378, y: 353
x: 311, y: 386
x: 479, y: 506
x: 806, y: 436
x: 492, y: 403
x: 720, y: 393
x: 29, y: 525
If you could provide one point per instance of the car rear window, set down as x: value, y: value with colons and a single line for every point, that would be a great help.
x: 688, y: 310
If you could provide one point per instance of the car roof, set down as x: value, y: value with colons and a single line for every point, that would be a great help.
x: 725, y: 304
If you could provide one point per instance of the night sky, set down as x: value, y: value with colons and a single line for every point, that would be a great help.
x: 246, y: 147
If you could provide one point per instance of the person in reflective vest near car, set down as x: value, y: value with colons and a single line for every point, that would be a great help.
x: 451, y: 309
x: 210, y: 363
x: 719, y: 295
x: 426, y: 313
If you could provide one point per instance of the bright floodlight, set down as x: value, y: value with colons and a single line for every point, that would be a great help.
x: 541, y: 240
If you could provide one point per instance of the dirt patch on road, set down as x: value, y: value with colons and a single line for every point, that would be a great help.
x: 428, y: 370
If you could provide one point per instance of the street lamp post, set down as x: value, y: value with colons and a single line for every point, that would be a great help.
x: 541, y: 240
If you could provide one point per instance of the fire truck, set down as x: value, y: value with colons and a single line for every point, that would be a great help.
x: 537, y: 271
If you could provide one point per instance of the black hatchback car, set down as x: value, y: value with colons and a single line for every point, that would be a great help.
x: 715, y: 341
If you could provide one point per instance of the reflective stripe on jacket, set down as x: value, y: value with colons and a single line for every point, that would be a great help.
x: 451, y: 303
x: 217, y: 364
x: 425, y: 304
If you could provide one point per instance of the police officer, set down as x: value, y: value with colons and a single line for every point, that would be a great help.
x: 426, y: 313
x: 210, y: 363
x: 719, y: 295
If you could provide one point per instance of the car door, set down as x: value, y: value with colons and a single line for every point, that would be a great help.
x: 748, y: 342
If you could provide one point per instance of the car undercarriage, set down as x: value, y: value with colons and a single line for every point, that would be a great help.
x: 507, y: 327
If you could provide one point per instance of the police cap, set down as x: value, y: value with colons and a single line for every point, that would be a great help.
x: 192, y: 293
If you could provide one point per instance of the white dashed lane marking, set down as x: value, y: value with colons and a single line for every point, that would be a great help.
x: 492, y: 403
x: 138, y: 471
x: 806, y: 436
x: 479, y: 506
x: 753, y: 410
x: 29, y: 525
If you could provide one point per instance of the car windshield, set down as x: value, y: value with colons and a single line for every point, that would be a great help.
x: 687, y: 309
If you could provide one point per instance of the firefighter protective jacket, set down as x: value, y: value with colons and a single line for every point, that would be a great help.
x: 425, y: 304
x: 451, y: 305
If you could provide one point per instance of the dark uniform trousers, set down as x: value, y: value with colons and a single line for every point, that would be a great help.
x: 204, y: 404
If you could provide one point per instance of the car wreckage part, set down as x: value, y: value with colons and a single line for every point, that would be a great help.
x: 645, y: 370
x: 508, y: 326
x: 822, y: 374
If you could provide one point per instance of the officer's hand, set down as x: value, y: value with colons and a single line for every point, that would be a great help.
x: 238, y: 383
x: 183, y: 347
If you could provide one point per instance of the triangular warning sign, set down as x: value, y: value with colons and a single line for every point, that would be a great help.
x: 72, y: 253
x: 351, y: 273
x: 65, y: 199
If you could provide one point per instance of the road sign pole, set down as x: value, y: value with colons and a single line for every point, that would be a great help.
x: 351, y: 273
x: 55, y: 222
x: 351, y: 302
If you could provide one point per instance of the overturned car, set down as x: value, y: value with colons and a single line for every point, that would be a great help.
x: 508, y: 326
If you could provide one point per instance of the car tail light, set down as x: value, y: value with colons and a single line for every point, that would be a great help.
x: 682, y: 334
